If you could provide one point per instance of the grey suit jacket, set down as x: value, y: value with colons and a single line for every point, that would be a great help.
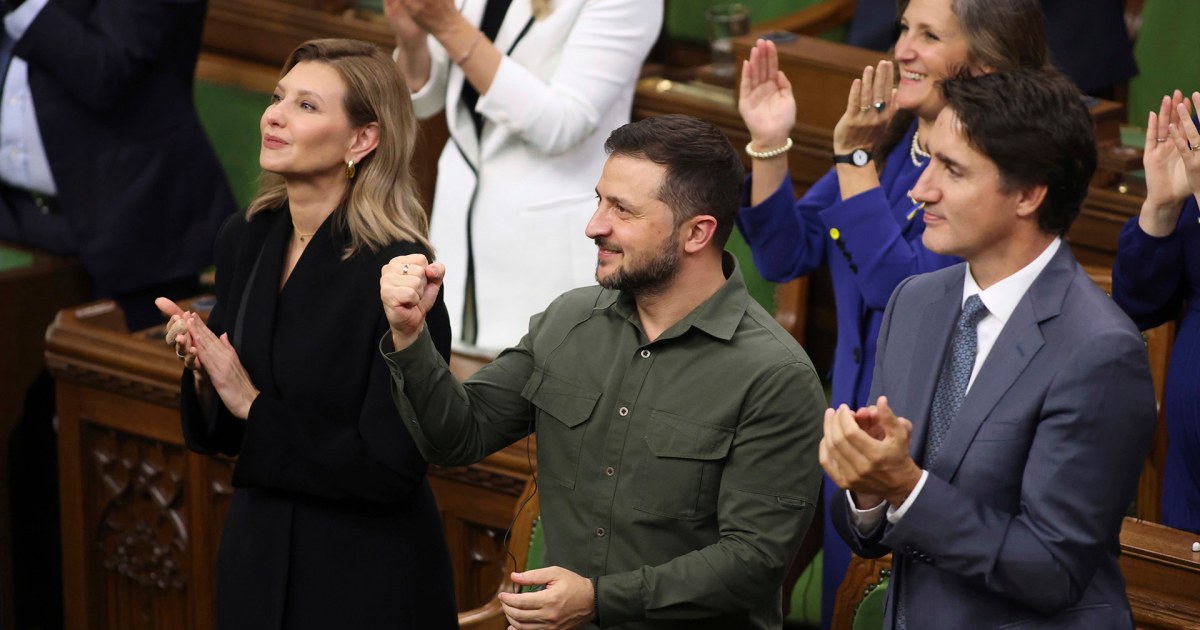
x: 1019, y: 519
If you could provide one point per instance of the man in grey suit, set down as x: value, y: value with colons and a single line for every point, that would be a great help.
x: 1014, y: 398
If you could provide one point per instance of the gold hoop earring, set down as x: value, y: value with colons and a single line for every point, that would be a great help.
x: 349, y: 169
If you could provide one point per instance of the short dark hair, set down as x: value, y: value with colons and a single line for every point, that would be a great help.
x: 1033, y: 125
x: 704, y: 172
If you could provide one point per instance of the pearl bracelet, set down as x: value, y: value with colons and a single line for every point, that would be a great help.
x: 766, y: 155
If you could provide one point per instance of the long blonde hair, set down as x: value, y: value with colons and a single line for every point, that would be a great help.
x: 381, y: 204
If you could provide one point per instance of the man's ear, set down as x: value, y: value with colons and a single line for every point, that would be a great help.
x: 1029, y: 199
x: 698, y: 232
x: 365, y: 141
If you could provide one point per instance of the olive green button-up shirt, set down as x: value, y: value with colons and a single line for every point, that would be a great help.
x: 680, y: 473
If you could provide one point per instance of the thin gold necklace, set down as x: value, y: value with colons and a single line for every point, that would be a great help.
x: 302, y: 235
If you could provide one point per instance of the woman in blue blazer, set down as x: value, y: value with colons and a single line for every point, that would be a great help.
x: 1156, y: 279
x: 858, y: 218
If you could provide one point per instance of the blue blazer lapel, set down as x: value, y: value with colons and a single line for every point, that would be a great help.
x: 933, y: 336
x: 1016, y: 346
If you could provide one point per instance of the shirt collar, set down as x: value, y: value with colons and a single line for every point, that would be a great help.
x: 718, y: 316
x: 1001, y: 298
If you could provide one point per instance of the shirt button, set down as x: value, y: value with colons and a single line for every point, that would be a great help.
x: 624, y: 411
x: 835, y: 234
x: 645, y: 354
x: 610, y: 471
x: 600, y: 532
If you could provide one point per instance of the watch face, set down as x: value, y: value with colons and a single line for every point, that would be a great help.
x: 860, y: 157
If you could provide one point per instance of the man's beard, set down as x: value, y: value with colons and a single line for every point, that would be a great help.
x: 649, y: 277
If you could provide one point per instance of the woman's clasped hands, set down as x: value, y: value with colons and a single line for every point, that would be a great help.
x: 214, y: 359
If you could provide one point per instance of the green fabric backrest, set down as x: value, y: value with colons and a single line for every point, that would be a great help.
x: 1166, y: 55
x: 230, y: 117
x: 869, y: 615
x: 14, y: 259
x: 806, y: 594
x: 535, y: 559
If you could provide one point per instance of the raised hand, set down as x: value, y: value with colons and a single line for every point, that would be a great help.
x: 765, y: 98
x: 566, y: 602
x: 1186, y: 139
x: 222, y: 367
x: 408, y: 288
x: 1166, y: 177
x: 434, y: 16
x: 408, y: 32
x: 864, y: 121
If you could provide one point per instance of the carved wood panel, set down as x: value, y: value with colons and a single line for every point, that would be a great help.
x: 136, y: 516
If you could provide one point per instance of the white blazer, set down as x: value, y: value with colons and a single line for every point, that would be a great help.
x: 513, y: 204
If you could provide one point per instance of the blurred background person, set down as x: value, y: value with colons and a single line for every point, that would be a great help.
x: 1156, y: 277
x: 332, y: 523
x: 102, y: 156
x: 531, y: 89
x: 1088, y: 39
x: 101, y: 152
x: 858, y: 219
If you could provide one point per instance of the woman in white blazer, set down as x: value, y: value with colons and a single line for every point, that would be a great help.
x: 515, y: 192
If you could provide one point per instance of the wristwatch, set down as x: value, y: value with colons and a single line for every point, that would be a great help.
x: 857, y: 157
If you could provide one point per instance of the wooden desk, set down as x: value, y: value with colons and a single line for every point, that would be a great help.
x: 142, y: 515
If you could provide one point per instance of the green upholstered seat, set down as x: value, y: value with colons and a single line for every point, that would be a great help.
x: 869, y: 614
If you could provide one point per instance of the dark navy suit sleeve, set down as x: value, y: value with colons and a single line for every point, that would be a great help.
x: 96, y: 62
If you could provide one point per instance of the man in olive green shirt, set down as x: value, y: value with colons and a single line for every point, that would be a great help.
x: 677, y: 423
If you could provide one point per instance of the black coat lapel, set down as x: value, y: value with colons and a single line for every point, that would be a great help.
x: 261, y: 292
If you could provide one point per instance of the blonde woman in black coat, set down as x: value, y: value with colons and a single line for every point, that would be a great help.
x: 332, y: 524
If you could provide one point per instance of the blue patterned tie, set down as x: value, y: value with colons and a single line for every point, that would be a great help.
x: 956, y: 373
x: 951, y: 388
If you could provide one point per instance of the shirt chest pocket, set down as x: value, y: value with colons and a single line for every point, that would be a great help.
x: 682, y: 475
x: 562, y: 413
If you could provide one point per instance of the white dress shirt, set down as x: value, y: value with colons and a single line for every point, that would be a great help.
x: 1001, y: 300
x: 23, y: 161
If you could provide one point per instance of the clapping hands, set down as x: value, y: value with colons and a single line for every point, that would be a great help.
x: 212, y: 357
